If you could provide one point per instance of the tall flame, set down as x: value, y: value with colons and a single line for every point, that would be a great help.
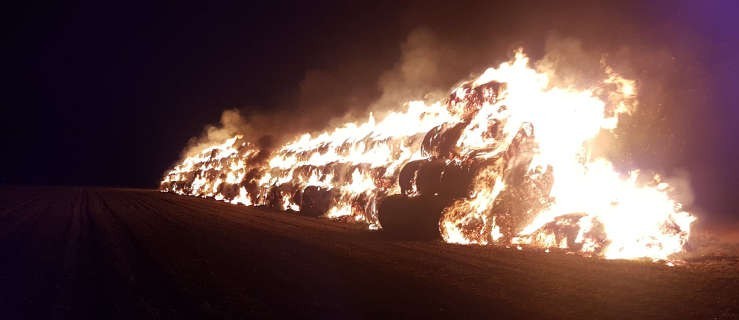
x: 525, y: 143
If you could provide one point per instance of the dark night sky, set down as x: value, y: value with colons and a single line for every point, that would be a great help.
x: 109, y: 94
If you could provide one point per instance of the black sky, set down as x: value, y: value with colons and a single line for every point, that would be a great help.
x: 109, y: 93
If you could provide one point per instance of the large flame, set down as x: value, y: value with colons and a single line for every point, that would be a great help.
x: 525, y: 144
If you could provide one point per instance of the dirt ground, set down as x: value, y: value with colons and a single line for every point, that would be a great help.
x: 124, y: 253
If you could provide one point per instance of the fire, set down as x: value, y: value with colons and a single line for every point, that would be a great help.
x: 508, y: 156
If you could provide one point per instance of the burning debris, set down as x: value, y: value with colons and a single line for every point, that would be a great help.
x: 506, y: 159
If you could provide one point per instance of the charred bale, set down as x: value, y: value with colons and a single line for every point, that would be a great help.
x: 440, y: 142
x: 411, y: 217
x: 434, y: 177
x: 421, y: 177
x: 428, y: 181
x: 274, y: 198
x: 315, y: 201
x: 229, y: 191
x: 456, y: 180
x: 278, y: 196
x: 407, y: 177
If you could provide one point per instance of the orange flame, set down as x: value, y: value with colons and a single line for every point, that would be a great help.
x: 535, y: 181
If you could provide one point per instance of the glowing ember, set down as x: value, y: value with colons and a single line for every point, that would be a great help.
x: 508, y: 154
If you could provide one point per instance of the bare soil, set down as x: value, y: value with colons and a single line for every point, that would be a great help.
x: 100, y: 253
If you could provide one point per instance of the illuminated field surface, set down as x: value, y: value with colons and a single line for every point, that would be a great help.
x: 125, y: 253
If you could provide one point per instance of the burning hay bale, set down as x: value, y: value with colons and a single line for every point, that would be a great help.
x: 440, y: 142
x: 315, y: 201
x: 435, y: 177
x: 411, y: 217
x: 565, y: 233
x: 505, y: 159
